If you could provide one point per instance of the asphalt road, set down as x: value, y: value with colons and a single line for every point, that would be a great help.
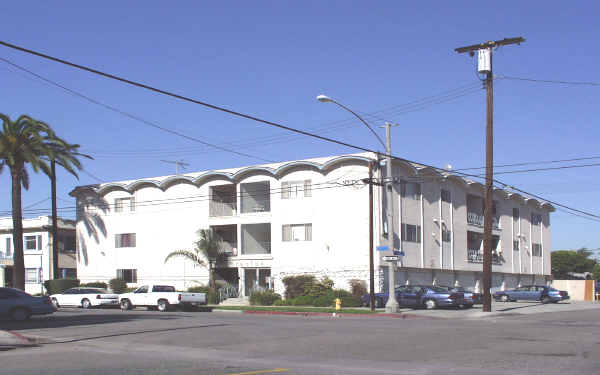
x: 75, y: 341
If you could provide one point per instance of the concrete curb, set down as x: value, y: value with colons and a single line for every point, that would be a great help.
x: 337, y: 315
x: 10, y: 339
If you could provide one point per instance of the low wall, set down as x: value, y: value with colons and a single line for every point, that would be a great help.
x: 579, y: 290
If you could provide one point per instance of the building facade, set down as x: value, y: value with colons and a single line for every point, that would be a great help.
x: 306, y: 217
x: 37, y: 251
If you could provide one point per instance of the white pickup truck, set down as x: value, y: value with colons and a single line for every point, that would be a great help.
x: 161, y: 297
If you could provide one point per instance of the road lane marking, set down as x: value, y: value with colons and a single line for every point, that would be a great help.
x: 261, y: 371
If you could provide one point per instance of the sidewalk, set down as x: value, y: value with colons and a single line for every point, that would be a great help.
x: 9, y: 340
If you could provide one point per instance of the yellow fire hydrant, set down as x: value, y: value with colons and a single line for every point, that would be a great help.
x: 338, y: 304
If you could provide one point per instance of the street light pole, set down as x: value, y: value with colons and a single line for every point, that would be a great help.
x: 392, y: 304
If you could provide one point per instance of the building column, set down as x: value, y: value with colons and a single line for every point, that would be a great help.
x: 242, y: 275
x: 1, y: 276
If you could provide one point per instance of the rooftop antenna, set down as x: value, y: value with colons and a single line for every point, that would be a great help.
x: 178, y: 164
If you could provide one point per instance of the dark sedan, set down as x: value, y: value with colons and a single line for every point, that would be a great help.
x: 19, y: 305
x: 420, y: 296
x: 542, y: 293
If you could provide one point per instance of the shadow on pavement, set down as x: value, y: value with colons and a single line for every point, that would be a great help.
x: 528, y: 305
x: 58, y: 321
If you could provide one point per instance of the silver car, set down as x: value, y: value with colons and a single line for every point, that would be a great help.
x: 19, y: 305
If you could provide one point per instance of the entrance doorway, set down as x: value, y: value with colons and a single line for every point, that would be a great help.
x: 8, y: 277
x: 256, y: 279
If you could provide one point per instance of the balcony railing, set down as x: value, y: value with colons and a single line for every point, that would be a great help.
x: 6, y: 259
x: 217, y: 208
x: 476, y: 219
x: 476, y: 256
x: 260, y: 247
x: 229, y: 248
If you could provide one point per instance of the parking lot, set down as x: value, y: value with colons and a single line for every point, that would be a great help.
x: 530, y: 338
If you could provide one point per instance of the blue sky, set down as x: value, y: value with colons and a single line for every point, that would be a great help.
x: 271, y: 59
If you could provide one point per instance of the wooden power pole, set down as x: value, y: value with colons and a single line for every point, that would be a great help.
x: 485, y: 66
x: 55, y: 253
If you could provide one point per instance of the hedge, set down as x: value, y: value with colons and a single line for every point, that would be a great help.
x: 58, y: 286
x: 117, y: 285
x: 96, y: 284
x: 265, y: 298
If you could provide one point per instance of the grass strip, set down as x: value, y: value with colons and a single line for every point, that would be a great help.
x: 296, y: 309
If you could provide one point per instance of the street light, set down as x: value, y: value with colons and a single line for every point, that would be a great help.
x: 392, y: 304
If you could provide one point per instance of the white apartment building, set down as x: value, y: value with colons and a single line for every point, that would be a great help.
x: 37, y: 251
x: 307, y: 217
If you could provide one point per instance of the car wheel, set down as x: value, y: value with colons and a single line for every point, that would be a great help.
x: 163, y: 305
x: 55, y: 303
x: 20, y: 314
x: 504, y: 298
x: 430, y: 304
x: 126, y: 305
x: 85, y: 303
x: 546, y: 299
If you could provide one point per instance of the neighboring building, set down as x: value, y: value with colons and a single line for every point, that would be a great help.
x: 37, y: 245
x: 308, y: 216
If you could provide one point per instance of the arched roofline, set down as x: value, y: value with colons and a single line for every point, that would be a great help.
x: 113, y: 186
x: 330, y: 164
x: 407, y: 165
x: 239, y: 175
x: 287, y: 167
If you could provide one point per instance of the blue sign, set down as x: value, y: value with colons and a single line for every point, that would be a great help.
x: 382, y: 248
x: 399, y: 252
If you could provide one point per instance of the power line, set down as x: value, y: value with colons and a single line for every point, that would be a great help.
x: 531, y: 163
x: 549, y: 169
x: 580, y: 83
x: 246, y: 116
x: 36, y: 203
x: 131, y: 116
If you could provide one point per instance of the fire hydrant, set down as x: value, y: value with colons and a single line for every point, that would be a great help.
x: 338, y: 304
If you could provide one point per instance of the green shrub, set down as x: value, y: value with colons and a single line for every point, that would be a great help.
x: 295, y: 285
x: 324, y: 301
x: 281, y: 302
x: 96, y: 284
x: 265, y: 298
x: 199, y: 289
x: 212, y: 296
x: 358, y: 288
x: 350, y: 301
x: 130, y: 289
x: 341, y: 293
x: 118, y: 285
x: 60, y: 285
x: 318, y: 287
x: 303, y: 301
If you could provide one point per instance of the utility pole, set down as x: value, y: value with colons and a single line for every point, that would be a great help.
x: 55, y: 264
x: 371, y: 260
x: 392, y: 304
x: 485, y: 66
x: 178, y: 164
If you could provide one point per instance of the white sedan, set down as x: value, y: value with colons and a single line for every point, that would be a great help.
x: 85, y: 298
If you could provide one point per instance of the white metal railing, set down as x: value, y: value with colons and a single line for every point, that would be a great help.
x: 476, y: 256
x: 4, y: 255
x: 476, y: 219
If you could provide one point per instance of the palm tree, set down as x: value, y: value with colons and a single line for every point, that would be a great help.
x: 29, y: 141
x: 207, y: 247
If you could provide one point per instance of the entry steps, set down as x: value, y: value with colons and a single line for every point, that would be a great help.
x: 235, y: 302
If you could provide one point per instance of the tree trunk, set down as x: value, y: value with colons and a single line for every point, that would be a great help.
x: 211, y: 276
x: 17, y: 217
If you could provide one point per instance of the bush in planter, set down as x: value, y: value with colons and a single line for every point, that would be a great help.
x: 57, y: 286
x: 118, y: 286
x: 296, y: 285
x: 303, y: 301
x: 96, y: 284
x: 358, y: 288
x: 212, y: 296
x: 350, y: 301
x: 282, y: 302
x: 324, y: 301
x: 264, y: 298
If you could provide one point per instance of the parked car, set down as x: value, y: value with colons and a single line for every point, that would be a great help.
x: 424, y: 296
x: 19, y: 305
x: 85, y: 297
x: 161, y: 297
x: 542, y: 293
x: 471, y: 298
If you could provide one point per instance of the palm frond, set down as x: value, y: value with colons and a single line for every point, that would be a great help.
x: 187, y: 254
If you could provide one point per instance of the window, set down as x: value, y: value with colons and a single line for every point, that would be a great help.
x: 411, y: 233
x: 446, y: 235
x: 516, y: 245
x: 68, y: 273
x: 8, y: 246
x: 124, y: 204
x: 163, y: 288
x: 127, y: 275
x: 536, y: 250
x: 142, y: 289
x: 66, y: 244
x: 125, y: 240
x: 32, y: 275
x: 445, y: 195
x: 296, y: 189
x: 536, y: 219
x: 410, y: 189
x: 297, y: 232
x: 516, y: 213
x: 33, y: 242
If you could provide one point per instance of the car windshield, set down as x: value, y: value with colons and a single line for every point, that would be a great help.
x: 438, y: 289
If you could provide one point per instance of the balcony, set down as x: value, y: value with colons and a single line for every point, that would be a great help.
x: 228, y: 236
x: 6, y: 259
x: 256, y: 239
x: 477, y: 220
x: 222, y: 201
x: 255, y: 197
x: 476, y: 256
